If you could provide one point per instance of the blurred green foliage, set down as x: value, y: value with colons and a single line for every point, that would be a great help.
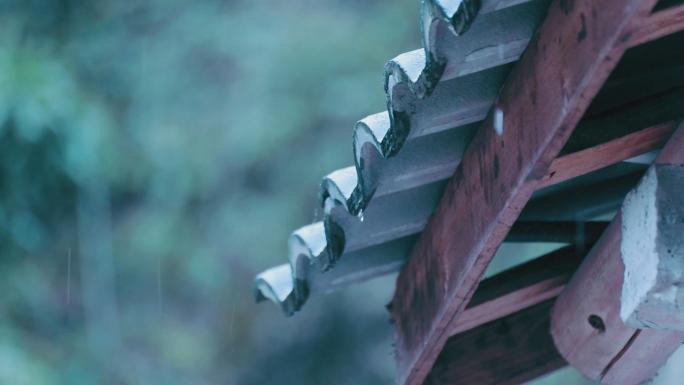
x: 155, y: 157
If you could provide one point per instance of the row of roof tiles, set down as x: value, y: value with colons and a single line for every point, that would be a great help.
x: 436, y: 99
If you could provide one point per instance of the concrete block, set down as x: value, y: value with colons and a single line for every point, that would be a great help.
x: 652, y: 250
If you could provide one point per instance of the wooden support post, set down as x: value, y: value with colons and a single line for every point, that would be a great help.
x: 544, y: 97
x: 586, y: 324
x: 652, y: 250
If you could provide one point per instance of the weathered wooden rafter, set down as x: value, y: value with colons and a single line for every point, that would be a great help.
x: 586, y: 323
x: 524, y: 288
x: 659, y: 24
x: 542, y: 101
x: 506, y: 326
x: 510, y: 350
x: 520, y: 287
x: 605, y: 154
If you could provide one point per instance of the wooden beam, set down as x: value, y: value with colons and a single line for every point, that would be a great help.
x: 508, y: 351
x: 544, y: 97
x: 518, y: 288
x: 660, y: 24
x: 586, y: 324
x: 606, y: 154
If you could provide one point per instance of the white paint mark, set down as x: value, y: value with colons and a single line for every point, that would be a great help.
x: 499, y: 121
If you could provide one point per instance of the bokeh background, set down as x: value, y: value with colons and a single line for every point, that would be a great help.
x: 155, y: 156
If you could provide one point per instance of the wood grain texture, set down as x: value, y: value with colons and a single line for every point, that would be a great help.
x: 518, y: 288
x: 662, y: 23
x: 586, y: 324
x: 606, y: 154
x: 544, y: 97
x: 648, y: 351
x: 509, y: 351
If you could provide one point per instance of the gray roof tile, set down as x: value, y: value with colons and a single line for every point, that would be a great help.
x: 436, y: 98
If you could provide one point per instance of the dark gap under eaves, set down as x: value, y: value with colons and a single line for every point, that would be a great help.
x: 664, y: 4
x: 585, y: 197
x: 507, y: 351
x: 646, y: 88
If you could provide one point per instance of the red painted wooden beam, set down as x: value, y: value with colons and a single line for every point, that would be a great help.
x: 518, y: 288
x: 503, y: 336
x: 586, y: 323
x: 660, y: 24
x: 605, y: 154
x: 508, y: 351
x: 544, y: 97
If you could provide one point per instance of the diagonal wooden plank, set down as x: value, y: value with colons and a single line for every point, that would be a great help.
x: 508, y: 351
x: 518, y: 288
x: 493, y: 342
x: 544, y: 97
x: 605, y: 154
x: 660, y: 24
x: 586, y: 324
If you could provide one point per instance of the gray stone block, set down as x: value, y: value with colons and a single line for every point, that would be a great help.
x: 652, y: 250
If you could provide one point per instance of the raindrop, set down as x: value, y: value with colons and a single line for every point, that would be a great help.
x: 232, y: 319
x: 499, y: 121
x: 68, y: 288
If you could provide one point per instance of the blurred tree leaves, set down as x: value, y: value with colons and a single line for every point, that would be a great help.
x: 155, y: 156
